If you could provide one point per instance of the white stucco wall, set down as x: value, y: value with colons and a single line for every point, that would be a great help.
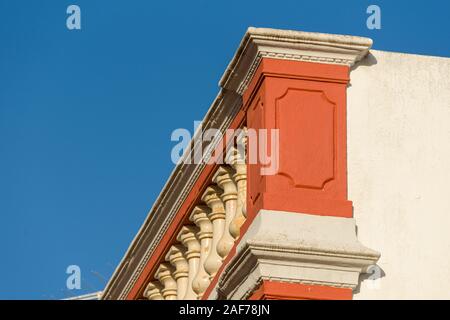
x: 399, y: 172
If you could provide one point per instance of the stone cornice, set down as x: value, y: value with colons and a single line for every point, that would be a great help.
x: 261, y: 43
x: 295, y: 248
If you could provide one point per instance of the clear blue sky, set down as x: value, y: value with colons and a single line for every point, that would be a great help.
x: 86, y: 116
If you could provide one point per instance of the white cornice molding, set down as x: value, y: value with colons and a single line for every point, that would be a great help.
x: 261, y: 43
x: 295, y: 248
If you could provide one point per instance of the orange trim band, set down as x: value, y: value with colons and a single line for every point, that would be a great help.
x: 273, y: 290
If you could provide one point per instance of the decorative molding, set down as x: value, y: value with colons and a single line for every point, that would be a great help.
x: 295, y: 248
x: 261, y: 43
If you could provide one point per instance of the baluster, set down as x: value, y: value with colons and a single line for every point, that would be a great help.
x: 153, y: 291
x: 176, y: 256
x: 223, y: 178
x: 188, y: 237
x: 211, y: 197
x: 165, y: 275
x: 237, y: 161
x: 200, y: 217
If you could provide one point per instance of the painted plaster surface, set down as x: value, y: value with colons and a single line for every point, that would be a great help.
x: 399, y: 172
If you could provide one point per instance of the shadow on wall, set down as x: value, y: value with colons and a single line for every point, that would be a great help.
x: 368, y: 61
x: 374, y: 274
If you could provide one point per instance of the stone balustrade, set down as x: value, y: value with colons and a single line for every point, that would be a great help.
x: 192, y: 262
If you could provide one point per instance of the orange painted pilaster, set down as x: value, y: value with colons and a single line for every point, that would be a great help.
x: 306, y: 102
x: 273, y: 290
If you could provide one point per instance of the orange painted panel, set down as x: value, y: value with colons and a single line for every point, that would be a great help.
x: 308, y: 143
x: 306, y: 102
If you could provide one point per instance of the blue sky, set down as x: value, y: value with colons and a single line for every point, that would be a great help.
x: 86, y: 115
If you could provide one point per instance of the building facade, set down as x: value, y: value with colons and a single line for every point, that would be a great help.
x: 351, y: 204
